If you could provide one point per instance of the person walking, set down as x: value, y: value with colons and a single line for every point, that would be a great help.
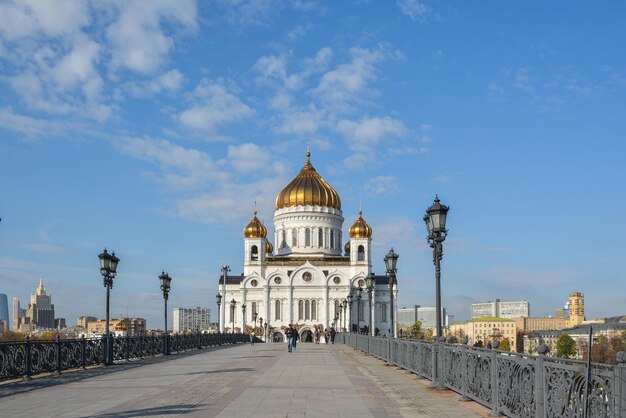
x: 252, y: 338
x: 289, y: 334
x: 296, y: 337
x: 326, y: 336
x: 332, y: 335
x: 317, y: 336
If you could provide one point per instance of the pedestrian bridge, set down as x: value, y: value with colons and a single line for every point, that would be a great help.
x: 238, y: 381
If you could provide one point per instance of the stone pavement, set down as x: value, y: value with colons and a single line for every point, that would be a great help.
x: 238, y: 381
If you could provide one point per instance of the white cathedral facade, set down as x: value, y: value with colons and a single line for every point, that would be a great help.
x: 305, y: 275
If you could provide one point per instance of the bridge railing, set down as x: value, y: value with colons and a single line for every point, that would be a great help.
x: 512, y: 384
x: 28, y: 358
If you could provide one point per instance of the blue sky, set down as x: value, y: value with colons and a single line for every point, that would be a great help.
x: 151, y: 128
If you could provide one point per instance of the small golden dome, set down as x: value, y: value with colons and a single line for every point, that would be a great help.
x: 269, y: 248
x: 360, y: 228
x: 347, y: 248
x: 308, y: 188
x: 121, y: 326
x: 255, y: 229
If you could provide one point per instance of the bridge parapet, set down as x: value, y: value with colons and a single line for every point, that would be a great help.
x: 28, y: 358
x: 513, y: 384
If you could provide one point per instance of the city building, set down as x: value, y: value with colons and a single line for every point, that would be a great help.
x: 486, y: 329
x: 19, y: 314
x: 40, y: 311
x: 541, y: 323
x: 4, y: 310
x: 191, y: 319
x: 83, y: 321
x: 301, y: 275
x: 501, y: 309
x: 427, y: 315
x: 134, y: 326
x: 59, y: 323
x: 576, y: 309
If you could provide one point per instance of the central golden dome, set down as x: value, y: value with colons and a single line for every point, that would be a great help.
x: 308, y: 189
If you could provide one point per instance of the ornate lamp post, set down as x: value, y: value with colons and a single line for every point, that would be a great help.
x: 369, y: 287
x: 233, y: 304
x: 349, y: 300
x: 435, y: 219
x: 218, y: 299
x: 225, y: 270
x: 359, y: 291
x: 108, y: 269
x: 254, y: 314
x: 265, y: 330
x: 243, y: 321
x: 165, y: 281
x: 391, y: 262
x: 345, y: 310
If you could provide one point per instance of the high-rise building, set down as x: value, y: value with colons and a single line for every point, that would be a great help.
x: 499, y: 309
x: 427, y: 315
x: 191, y: 319
x: 41, y: 310
x: 576, y: 309
x: 83, y: 321
x: 4, y: 308
x: 19, y: 314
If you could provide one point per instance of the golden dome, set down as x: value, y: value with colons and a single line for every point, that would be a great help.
x: 360, y: 228
x: 255, y: 229
x: 347, y: 248
x: 269, y: 248
x: 121, y: 326
x: 308, y: 189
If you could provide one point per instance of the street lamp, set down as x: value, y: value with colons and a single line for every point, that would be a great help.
x: 254, y: 314
x: 391, y: 262
x: 243, y: 321
x: 349, y: 299
x: 369, y: 287
x: 340, y: 314
x: 233, y: 304
x: 166, y: 281
x: 345, y: 310
x: 108, y: 269
x: 265, y: 330
x: 359, y: 291
x: 435, y: 219
x: 225, y: 270
x: 218, y: 299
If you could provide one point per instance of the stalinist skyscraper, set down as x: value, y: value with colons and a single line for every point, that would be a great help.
x: 41, y: 310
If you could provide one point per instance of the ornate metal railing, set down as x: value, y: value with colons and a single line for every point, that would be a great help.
x: 28, y: 358
x: 511, y: 384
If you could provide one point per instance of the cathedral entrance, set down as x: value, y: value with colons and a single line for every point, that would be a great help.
x: 277, y: 337
x: 306, y: 336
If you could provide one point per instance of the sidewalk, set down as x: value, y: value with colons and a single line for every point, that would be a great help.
x: 239, y: 381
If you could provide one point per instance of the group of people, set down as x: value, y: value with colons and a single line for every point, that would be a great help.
x: 293, y: 336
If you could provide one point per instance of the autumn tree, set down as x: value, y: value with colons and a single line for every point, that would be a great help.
x: 505, y: 345
x: 428, y: 335
x: 565, y: 346
x: 416, y: 329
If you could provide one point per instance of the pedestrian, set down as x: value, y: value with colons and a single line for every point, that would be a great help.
x: 332, y: 335
x: 296, y: 337
x: 326, y: 336
x: 289, y: 334
x: 317, y: 336
x: 252, y: 338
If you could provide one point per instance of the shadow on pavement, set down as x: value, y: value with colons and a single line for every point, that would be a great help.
x: 146, y: 412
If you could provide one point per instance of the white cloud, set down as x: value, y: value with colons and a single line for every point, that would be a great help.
x: 414, y: 9
x: 170, y: 81
x: 366, y: 132
x: 381, y: 185
x: 25, y: 18
x: 215, y: 106
x: 249, y: 157
x: 139, y: 41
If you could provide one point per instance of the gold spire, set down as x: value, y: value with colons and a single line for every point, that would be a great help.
x: 360, y: 228
x: 308, y: 188
x: 255, y: 229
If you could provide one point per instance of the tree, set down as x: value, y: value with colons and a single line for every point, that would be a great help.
x: 416, y: 329
x: 428, y: 335
x: 11, y: 336
x: 565, y: 346
x: 505, y: 345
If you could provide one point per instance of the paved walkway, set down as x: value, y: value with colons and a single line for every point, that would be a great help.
x: 240, y: 381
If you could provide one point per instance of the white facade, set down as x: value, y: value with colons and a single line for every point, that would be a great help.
x: 501, y: 309
x: 308, y: 277
x: 191, y: 319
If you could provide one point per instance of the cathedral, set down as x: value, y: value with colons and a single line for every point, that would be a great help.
x: 304, y: 275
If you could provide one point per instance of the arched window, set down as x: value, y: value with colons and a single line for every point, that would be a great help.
x: 360, y: 311
x: 339, y: 246
x: 320, y: 237
x: 301, y: 310
x: 254, y: 253
x: 278, y: 308
x: 313, y: 309
x: 254, y: 309
x: 294, y: 237
x: 307, y: 237
x: 332, y: 238
x: 361, y: 253
x: 283, y: 242
x: 307, y: 310
x: 383, y: 312
x: 336, y: 307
